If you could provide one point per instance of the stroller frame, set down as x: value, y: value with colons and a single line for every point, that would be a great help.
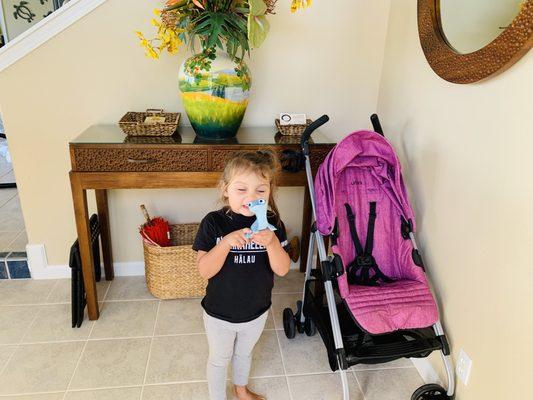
x: 311, y: 314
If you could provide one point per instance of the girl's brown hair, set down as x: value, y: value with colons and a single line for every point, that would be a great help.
x: 264, y: 163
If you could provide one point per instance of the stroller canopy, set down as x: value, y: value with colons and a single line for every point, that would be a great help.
x: 364, y: 149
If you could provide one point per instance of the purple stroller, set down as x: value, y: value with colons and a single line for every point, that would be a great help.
x: 370, y: 300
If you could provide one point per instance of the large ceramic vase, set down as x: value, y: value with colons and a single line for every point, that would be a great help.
x: 214, y: 89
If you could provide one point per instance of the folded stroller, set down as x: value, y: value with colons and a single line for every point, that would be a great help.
x: 370, y: 300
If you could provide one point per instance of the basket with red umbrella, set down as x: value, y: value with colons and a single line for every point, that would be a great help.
x: 155, y: 230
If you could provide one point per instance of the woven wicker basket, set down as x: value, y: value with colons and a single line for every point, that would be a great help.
x: 132, y: 123
x: 171, y: 272
x: 291, y: 130
x: 293, y: 139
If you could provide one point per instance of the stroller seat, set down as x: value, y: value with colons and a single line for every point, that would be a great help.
x: 362, y: 201
x: 370, y: 299
x: 401, y: 304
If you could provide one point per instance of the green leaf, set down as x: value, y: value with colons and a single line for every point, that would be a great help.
x: 257, y: 7
x: 258, y: 28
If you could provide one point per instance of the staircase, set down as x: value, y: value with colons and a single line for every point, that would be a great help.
x: 17, y: 16
x: 26, y: 24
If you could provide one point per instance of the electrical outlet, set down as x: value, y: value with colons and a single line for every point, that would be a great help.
x: 463, y: 367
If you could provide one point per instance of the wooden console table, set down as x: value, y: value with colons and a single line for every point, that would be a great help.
x: 103, y: 157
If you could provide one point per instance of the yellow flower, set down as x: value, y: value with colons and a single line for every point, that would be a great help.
x: 299, y: 4
x: 152, y: 53
x: 157, y: 12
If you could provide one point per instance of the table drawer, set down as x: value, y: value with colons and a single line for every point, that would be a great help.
x: 99, y: 159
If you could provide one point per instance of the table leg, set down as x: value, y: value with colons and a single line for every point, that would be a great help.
x: 306, y: 229
x: 105, y: 235
x: 79, y: 197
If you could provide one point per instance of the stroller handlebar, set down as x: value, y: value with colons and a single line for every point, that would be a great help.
x: 309, y: 130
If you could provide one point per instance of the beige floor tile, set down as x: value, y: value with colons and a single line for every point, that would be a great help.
x: 177, y: 359
x: 270, y: 320
x: 8, y: 178
x: 12, y: 206
x: 180, y: 316
x: 291, y: 283
x: 40, y: 396
x: 129, y: 288
x: 20, y: 242
x: 6, y: 351
x: 37, y: 368
x: 108, y: 363
x: 180, y: 391
x: 279, y: 302
x: 132, y: 393
x: 6, y: 238
x: 25, y: 291
x: 126, y: 319
x: 62, y: 291
x: 267, y: 356
x: 272, y: 388
x: 54, y: 323
x: 323, y: 387
x: 303, y: 354
x: 5, y: 167
x: 15, y: 321
x: 401, y: 363
x: 6, y: 195
x: 389, y: 384
x: 11, y: 222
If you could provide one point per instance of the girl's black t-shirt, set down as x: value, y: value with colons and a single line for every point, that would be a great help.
x: 242, y: 290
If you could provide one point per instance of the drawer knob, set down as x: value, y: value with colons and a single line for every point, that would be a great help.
x: 142, y: 160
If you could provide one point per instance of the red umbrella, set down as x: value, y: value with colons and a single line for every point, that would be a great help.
x: 155, y: 230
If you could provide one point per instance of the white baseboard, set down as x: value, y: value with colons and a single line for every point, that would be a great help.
x: 38, y: 264
x: 40, y: 269
x: 426, y: 371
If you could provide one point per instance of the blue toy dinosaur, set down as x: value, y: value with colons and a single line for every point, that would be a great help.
x: 259, y: 208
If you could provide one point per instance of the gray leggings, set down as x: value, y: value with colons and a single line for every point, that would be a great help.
x: 229, y: 341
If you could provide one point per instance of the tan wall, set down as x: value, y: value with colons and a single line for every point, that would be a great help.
x: 466, y: 152
x: 324, y: 60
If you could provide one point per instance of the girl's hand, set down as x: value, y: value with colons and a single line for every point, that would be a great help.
x: 264, y: 238
x: 237, y: 238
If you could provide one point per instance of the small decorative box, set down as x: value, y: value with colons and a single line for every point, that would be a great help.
x: 291, y: 130
x: 153, y: 122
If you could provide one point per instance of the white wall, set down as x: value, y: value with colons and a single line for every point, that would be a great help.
x: 326, y: 59
x: 466, y: 152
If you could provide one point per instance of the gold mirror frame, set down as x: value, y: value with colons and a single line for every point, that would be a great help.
x: 494, y: 58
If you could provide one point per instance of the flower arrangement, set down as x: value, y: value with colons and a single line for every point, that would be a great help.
x: 215, y: 85
x: 236, y: 25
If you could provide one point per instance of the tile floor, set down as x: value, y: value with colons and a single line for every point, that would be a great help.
x: 12, y: 231
x: 13, y: 239
x: 144, y: 348
x: 6, y: 169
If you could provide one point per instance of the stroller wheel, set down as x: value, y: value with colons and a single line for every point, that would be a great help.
x: 430, y: 391
x: 310, y: 327
x: 289, y: 325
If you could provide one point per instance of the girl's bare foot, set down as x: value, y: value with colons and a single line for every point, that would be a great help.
x: 243, y: 393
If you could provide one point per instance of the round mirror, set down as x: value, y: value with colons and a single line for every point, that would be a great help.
x: 471, y: 25
x: 467, y: 41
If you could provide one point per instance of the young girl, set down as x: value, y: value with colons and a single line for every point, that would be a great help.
x: 240, y: 270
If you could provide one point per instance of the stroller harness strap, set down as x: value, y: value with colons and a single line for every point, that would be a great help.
x: 359, y: 270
